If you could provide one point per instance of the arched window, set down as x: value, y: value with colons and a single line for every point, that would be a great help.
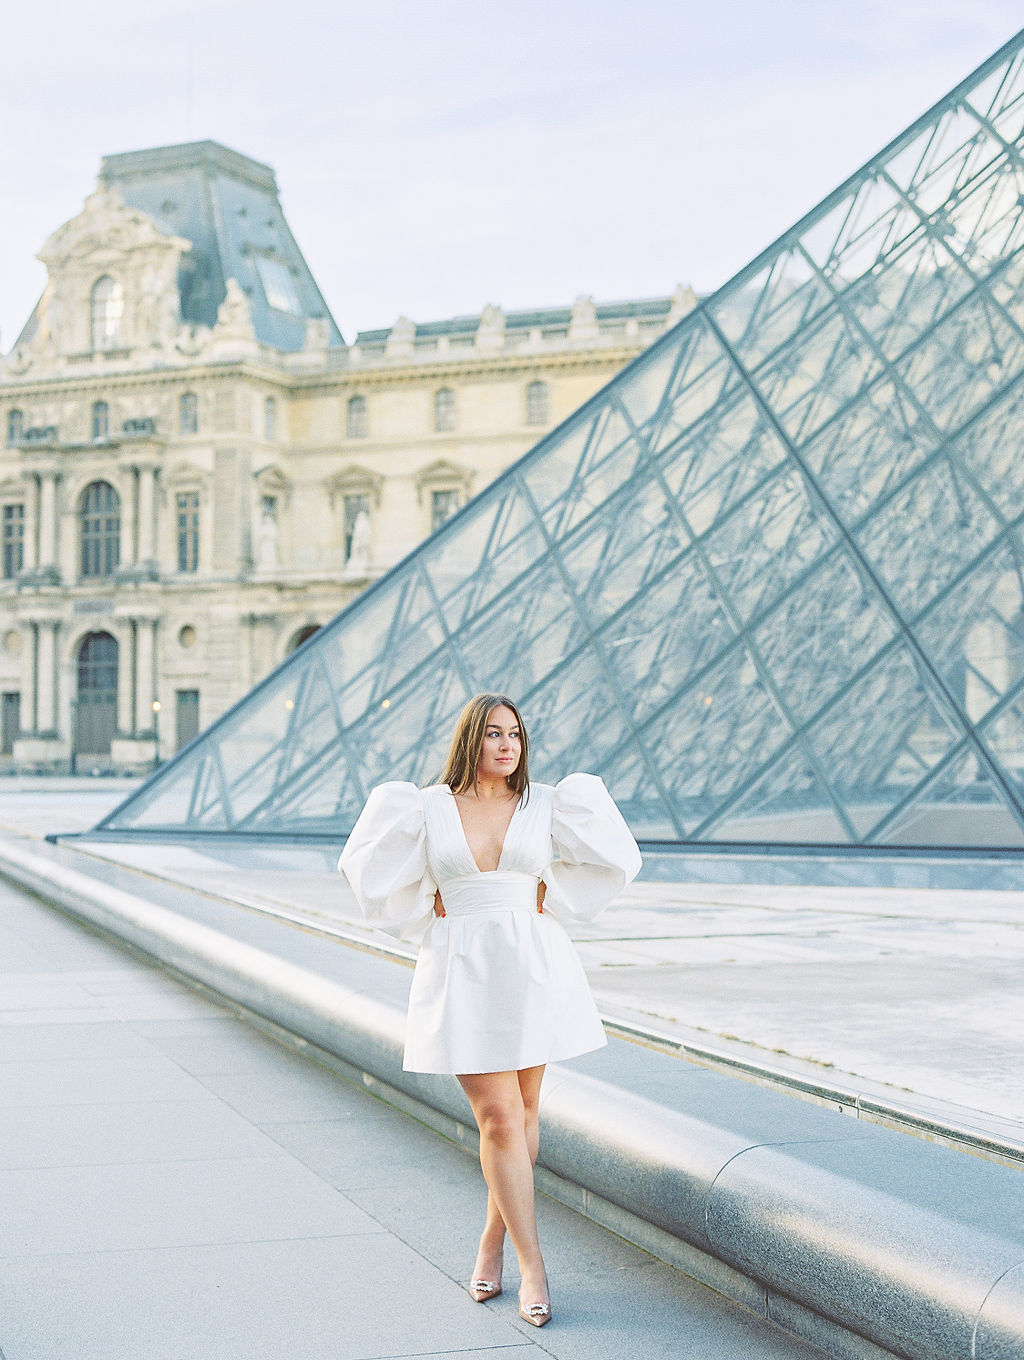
x: 356, y: 418
x: 270, y: 418
x: 100, y: 420
x: 444, y: 409
x: 537, y: 403
x: 101, y: 529
x: 303, y: 635
x: 15, y: 426
x: 107, y: 313
x: 189, y: 413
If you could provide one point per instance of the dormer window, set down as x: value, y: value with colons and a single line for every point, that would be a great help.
x: 107, y: 313
x: 278, y: 285
x: 100, y: 420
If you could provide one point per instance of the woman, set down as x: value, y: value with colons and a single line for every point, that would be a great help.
x: 481, y: 867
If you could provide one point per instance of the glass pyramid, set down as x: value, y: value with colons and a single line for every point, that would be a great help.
x: 768, y: 583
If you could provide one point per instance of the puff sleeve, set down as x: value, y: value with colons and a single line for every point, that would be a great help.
x: 595, y: 853
x: 385, y: 862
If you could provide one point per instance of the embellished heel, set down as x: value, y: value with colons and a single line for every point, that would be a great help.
x: 482, y: 1290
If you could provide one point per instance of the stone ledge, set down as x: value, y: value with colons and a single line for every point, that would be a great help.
x: 850, y: 1236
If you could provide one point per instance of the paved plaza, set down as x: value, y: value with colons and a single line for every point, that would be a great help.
x: 174, y: 1183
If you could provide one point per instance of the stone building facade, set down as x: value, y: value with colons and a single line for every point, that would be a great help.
x: 197, y: 471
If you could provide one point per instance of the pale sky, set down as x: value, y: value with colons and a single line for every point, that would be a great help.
x: 437, y: 155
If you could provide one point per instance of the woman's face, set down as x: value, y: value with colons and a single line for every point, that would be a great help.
x: 502, y: 747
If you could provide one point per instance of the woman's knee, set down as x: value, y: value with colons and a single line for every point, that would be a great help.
x: 501, y: 1121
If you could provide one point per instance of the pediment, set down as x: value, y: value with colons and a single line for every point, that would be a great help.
x: 104, y: 230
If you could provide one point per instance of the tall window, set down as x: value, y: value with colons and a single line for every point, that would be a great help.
x: 187, y: 503
x: 101, y: 529
x: 270, y: 418
x: 12, y: 531
x: 443, y: 504
x: 537, y: 403
x: 444, y: 409
x: 355, y: 505
x: 189, y: 413
x: 107, y: 313
x: 15, y: 426
x: 357, y: 417
x: 100, y: 420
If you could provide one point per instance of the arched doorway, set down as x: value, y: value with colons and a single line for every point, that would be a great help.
x: 97, y: 695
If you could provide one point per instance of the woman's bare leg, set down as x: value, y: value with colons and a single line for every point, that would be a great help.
x: 505, y: 1108
x: 492, y: 1239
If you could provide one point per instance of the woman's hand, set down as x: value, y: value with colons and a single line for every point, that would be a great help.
x: 542, y: 888
x: 438, y: 904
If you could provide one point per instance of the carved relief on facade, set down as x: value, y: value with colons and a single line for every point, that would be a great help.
x: 112, y: 285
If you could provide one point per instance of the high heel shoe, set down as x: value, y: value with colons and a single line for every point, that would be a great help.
x: 536, y: 1314
x: 482, y: 1290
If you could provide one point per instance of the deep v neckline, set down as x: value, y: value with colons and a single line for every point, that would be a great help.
x: 465, y: 838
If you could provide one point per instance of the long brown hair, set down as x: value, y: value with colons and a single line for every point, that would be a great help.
x: 468, y: 742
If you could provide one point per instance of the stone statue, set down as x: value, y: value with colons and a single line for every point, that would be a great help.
x: 359, y: 550
x: 267, y: 559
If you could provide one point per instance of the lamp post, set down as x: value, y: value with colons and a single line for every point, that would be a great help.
x: 155, y: 706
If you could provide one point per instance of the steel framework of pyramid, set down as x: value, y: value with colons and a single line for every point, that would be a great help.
x: 768, y: 583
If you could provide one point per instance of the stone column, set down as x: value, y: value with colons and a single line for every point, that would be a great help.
x: 31, y: 540
x: 48, y: 518
x: 126, y: 679
x: 46, y: 678
x: 147, y: 513
x: 145, y: 676
x: 129, y: 511
x: 29, y: 725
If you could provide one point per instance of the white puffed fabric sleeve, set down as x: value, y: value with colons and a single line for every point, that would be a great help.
x: 595, y: 853
x: 385, y: 862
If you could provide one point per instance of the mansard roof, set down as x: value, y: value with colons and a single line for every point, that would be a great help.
x: 227, y: 206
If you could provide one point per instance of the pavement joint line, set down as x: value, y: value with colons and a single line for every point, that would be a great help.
x: 890, y: 1113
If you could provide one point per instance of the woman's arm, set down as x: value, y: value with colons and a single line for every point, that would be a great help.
x: 438, y: 904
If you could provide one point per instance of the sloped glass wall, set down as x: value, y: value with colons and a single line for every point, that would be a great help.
x: 768, y: 583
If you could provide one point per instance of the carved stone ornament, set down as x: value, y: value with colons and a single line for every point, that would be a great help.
x: 234, y: 315
x: 109, y: 240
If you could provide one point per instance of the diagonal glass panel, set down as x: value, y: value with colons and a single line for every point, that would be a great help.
x: 821, y: 636
x: 778, y: 303
x: 821, y: 371
x: 613, y: 559
x: 866, y: 227
x: 957, y: 366
x: 669, y: 633
x: 868, y: 450
x: 515, y: 638
x: 703, y: 376
x: 881, y: 739
x: 647, y: 814
x: 906, y: 294
x: 959, y: 806
x: 947, y: 156
x: 952, y: 526
x: 974, y: 635
x: 721, y: 461
x: 708, y: 742
x: 769, y: 541
x: 787, y: 804
x: 989, y: 449
x: 575, y: 718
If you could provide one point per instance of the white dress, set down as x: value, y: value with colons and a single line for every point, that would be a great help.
x: 498, y: 985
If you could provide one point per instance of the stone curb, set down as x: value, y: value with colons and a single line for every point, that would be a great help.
x: 804, y: 1231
